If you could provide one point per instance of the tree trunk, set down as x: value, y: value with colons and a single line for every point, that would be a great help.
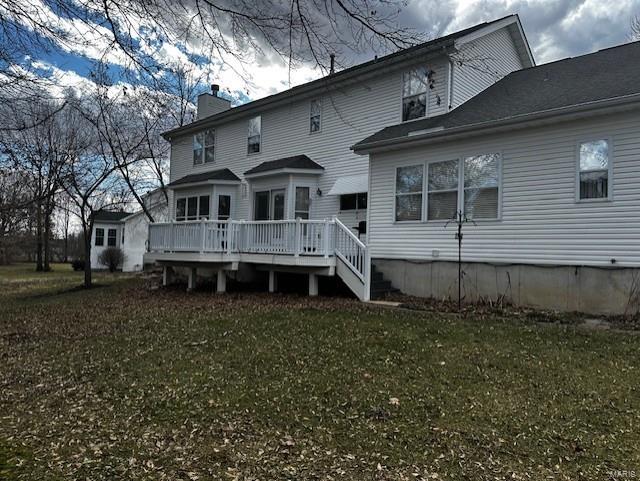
x: 46, y: 245
x: 39, y: 265
x: 87, y: 261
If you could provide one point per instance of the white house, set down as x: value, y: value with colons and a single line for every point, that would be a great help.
x: 274, y: 185
x: 541, y: 160
x: 545, y: 164
x: 108, y: 231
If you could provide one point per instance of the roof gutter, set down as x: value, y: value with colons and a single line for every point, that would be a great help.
x: 626, y: 102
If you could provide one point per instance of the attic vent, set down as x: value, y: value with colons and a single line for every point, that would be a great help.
x: 426, y: 131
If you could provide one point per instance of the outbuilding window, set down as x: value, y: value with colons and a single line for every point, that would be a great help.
x: 99, y: 236
x: 112, y: 237
x: 594, y: 170
x: 409, y: 192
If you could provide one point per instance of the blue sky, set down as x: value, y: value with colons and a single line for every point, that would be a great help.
x: 555, y: 29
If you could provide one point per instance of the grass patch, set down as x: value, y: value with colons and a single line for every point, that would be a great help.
x: 122, y: 382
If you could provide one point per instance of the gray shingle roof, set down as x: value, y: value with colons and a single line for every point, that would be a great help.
x: 221, y: 174
x: 437, y: 44
x: 295, y: 162
x: 109, y: 216
x: 606, y: 74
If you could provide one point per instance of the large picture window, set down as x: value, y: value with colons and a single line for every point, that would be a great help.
x: 409, y: 192
x: 192, y: 208
x: 415, y: 84
x: 204, y: 147
x: 593, y: 175
x: 442, y: 186
x: 481, y: 181
x: 254, y: 135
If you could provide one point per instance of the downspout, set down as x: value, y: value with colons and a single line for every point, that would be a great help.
x: 450, y: 85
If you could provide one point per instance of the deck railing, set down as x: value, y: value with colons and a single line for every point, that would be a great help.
x: 351, y: 250
x: 287, y: 237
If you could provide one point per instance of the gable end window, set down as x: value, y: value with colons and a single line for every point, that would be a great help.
x: 594, y: 165
x: 254, y: 135
x: 204, y: 147
x: 409, y: 193
x: 315, y: 116
x: 414, y: 93
x: 99, y: 236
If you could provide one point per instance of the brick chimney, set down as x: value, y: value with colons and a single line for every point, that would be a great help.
x: 211, y: 104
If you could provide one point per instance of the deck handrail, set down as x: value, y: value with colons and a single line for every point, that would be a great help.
x: 351, y: 250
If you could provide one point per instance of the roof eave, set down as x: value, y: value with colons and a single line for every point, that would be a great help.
x: 203, y: 182
x: 563, y: 113
x: 287, y: 170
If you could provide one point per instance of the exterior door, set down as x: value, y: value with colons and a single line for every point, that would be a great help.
x: 261, y: 205
x: 224, y: 207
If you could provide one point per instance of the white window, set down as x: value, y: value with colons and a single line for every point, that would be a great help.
x: 442, y: 190
x: 594, y: 170
x: 409, y: 192
x: 112, y: 235
x: 204, y: 147
x: 315, y: 115
x: 99, y: 236
x: 302, y: 203
x: 415, y: 84
x: 192, y: 208
x: 254, y: 134
x: 471, y: 184
x: 481, y: 189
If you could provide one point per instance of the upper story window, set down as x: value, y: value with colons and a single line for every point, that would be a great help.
x: 254, y: 134
x: 315, y: 115
x: 415, y: 84
x: 99, y: 236
x: 204, y: 147
x: 594, y: 170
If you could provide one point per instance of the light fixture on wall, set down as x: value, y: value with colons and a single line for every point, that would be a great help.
x: 319, y: 192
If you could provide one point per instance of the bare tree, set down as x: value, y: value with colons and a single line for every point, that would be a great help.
x: 14, y: 214
x: 89, y: 178
x: 38, y: 154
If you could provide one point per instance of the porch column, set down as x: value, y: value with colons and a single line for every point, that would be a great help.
x: 167, y: 275
x: 191, y: 280
x: 272, y: 281
x: 313, y: 285
x: 221, y: 282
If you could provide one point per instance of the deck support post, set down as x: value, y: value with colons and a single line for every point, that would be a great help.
x: 191, y: 280
x: 272, y: 281
x: 167, y: 275
x: 221, y: 281
x: 313, y: 285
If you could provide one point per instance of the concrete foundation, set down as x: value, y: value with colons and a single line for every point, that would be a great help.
x: 591, y: 290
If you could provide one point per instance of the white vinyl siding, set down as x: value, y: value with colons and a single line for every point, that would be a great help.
x: 481, y: 63
x: 540, y: 220
x: 349, y: 114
